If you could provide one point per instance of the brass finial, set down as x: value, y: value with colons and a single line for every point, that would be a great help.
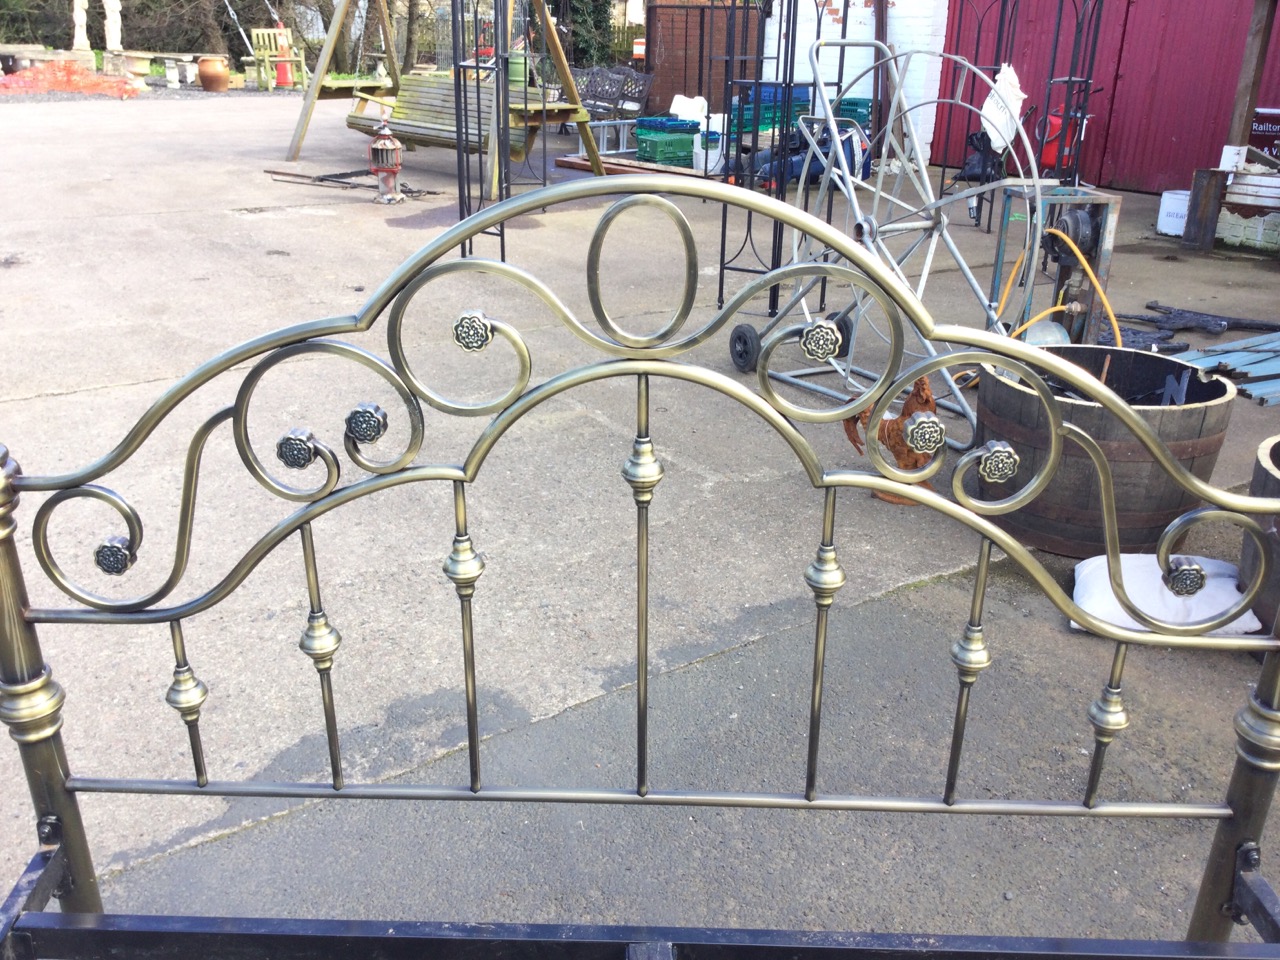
x: 320, y: 640
x: 825, y: 576
x: 643, y: 470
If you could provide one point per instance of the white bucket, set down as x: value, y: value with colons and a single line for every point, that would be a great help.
x: 1173, y: 212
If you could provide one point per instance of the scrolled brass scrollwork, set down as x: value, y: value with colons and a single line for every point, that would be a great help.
x: 690, y: 292
x: 1181, y: 575
x: 823, y: 338
x: 473, y: 331
x: 996, y: 460
x: 300, y: 448
x: 113, y: 556
x: 133, y: 523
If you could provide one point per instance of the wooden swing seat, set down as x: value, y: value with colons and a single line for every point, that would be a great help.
x: 424, y: 113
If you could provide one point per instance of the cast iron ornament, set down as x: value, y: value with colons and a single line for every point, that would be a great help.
x: 297, y: 449
x: 114, y: 556
x: 924, y: 432
x: 821, y: 341
x: 472, y: 332
x: 367, y: 423
x: 999, y: 462
x: 1185, y: 577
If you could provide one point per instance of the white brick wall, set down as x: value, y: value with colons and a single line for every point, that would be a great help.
x: 913, y: 25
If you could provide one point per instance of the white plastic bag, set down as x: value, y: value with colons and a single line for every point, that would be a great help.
x: 1002, y: 108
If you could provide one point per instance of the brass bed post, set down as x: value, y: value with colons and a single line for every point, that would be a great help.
x: 31, y: 706
x: 1249, y: 795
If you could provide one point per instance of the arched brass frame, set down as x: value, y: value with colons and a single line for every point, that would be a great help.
x: 644, y: 359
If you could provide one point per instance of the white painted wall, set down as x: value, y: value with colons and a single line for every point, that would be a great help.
x: 913, y: 25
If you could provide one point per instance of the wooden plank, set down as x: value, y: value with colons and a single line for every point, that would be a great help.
x: 1263, y: 388
x: 424, y: 114
x: 1261, y: 340
x: 313, y: 88
x: 338, y: 89
x: 1251, y: 64
x: 1227, y: 360
x: 570, y: 88
x: 388, y: 43
x: 1263, y: 370
x: 619, y: 165
x: 550, y: 113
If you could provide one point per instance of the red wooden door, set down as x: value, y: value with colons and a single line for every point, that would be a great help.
x: 1167, y: 75
x: 1174, y: 89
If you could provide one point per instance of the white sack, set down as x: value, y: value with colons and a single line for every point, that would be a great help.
x: 1002, y: 108
x: 1140, y: 573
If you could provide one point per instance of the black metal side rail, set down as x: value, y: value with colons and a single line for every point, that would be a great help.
x: 28, y: 933
x: 85, y: 936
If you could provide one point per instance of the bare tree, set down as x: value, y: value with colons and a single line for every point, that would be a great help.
x: 410, y: 36
x: 342, y: 51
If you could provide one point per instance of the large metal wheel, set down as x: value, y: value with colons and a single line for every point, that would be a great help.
x: 901, y: 211
x: 882, y: 191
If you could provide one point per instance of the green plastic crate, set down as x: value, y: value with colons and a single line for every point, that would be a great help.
x: 857, y: 109
x: 657, y: 146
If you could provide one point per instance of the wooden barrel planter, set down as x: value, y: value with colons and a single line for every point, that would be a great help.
x: 1067, y: 517
x: 1266, y: 483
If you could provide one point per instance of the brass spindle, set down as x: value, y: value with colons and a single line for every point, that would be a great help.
x: 320, y: 641
x: 643, y: 471
x: 187, y: 695
x: 1249, y: 795
x: 971, y: 657
x: 1109, y: 717
x: 31, y: 707
x: 464, y: 567
x: 824, y: 576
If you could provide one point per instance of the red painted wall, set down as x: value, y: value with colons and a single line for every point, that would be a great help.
x: 1168, y: 75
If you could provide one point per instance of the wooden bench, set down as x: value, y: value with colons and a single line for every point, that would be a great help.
x: 423, y: 113
x: 434, y: 466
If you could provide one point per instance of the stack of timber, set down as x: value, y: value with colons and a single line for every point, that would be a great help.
x: 1254, y: 363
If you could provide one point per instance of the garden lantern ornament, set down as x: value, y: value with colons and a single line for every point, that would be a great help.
x: 385, y: 153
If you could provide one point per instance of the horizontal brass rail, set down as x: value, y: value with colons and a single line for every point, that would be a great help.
x: 654, y: 798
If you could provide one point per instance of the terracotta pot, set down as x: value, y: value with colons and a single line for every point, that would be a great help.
x: 214, y: 74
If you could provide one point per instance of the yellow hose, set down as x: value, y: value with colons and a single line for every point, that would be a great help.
x: 1093, y: 278
x: 1008, y: 284
x: 1060, y: 308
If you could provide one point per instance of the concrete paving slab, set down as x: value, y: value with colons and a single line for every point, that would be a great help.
x: 163, y: 242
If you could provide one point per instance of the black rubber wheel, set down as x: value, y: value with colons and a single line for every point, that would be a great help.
x: 744, y: 347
